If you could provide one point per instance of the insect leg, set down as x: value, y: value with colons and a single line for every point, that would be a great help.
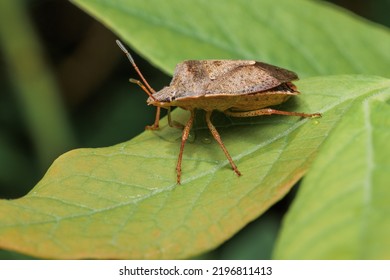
x: 268, y: 111
x: 184, y: 138
x: 173, y: 123
x: 217, y: 137
x: 157, y: 119
x: 155, y: 125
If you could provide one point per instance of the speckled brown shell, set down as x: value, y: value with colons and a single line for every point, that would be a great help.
x: 196, y: 78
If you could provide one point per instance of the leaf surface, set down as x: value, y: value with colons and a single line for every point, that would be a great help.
x: 310, y: 37
x: 122, y: 201
x: 342, y: 210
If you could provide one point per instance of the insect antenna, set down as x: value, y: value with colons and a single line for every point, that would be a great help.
x: 148, y: 89
x: 141, y: 85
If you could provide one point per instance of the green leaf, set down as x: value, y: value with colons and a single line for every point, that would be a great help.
x: 311, y: 37
x: 342, y: 210
x: 122, y: 201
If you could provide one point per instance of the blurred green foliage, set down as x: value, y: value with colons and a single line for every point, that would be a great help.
x: 56, y: 69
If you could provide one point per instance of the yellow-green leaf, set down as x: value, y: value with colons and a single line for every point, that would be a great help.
x: 122, y: 201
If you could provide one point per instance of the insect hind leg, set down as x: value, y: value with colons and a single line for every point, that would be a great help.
x: 268, y: 111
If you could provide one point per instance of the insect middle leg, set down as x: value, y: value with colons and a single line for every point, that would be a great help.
x: 217, y: 137
x: 173, y: 123
x: 184, y: 137
x: 268, y: 111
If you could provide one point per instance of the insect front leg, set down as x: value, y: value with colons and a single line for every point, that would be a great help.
x: 184, y: 137
x: 155, y: 125
x: 217, y: 137
x: 268, y: 111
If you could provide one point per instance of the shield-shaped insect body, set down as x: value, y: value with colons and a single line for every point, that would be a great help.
x: 238, y: 88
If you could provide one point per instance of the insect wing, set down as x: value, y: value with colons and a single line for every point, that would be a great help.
x: 249, y: 79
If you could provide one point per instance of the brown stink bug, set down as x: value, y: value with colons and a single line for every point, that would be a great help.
x: 238, y: 88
